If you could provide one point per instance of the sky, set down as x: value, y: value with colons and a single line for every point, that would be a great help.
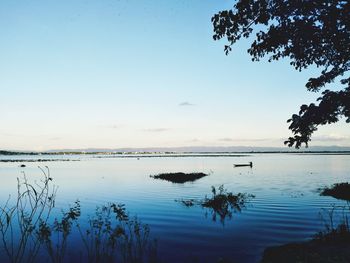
x: 127, y: 73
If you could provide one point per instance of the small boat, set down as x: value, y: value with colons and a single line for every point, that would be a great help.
x: 250, y: 164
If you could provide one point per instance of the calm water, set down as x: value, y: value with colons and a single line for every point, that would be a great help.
x: 286, y: 207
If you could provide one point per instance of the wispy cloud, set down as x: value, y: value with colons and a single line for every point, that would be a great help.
x: 156, y: 130
x: 331, y: 138
x: 115, y: 126
x: 110, y: 126
x: 55, y: 138
x: 186, y: 103
x: 10, y: 134
x: 226, y: 139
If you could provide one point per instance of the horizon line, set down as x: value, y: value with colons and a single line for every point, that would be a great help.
x: 188, y: 149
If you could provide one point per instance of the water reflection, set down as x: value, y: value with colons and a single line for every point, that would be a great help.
x: 273, y: 217
x: 222, y: 204
x: 30, y: 234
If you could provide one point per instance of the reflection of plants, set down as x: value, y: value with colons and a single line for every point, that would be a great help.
x: 55, y: 237
x: 222, y: 203
x: 110, y: 231
x: 27, y: 229
x: 225, y: 203
x: 19, y: 223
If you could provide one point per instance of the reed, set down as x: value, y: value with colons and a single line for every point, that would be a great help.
x: 28, y: 229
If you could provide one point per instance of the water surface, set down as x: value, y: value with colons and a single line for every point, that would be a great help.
x: 286, y: 207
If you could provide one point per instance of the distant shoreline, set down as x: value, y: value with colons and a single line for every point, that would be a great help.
x: 160, y: 154
x: 34, y: 160
x: 184, y: 150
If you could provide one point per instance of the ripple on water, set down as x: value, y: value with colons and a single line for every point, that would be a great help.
x: 286, y: 207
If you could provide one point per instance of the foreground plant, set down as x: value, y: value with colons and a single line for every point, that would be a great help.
x: 54, y: 236
x: 28, y: 230
x: 336, y: 224
x: 20, y: 222
x: 112, y: 236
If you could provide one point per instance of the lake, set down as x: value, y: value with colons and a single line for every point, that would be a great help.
x: 285, y: 209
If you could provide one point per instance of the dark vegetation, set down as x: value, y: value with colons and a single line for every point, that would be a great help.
x: 332, y: 245
x: 34, y: 160
x: 310, y: 252
x: 339, y: 191
x: 336, y: 225
x: 16, y: 153
x: 179, y: 178
x: 19, y: 223
x: 308, y: 33
x: 224, y: 203
x: 221, y: 204
x: 29, y: 233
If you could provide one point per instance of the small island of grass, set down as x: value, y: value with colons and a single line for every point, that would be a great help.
x: 222, y: 203
x: 179, y: 177
x: 339, y: 191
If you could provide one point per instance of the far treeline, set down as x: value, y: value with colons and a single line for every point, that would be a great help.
x: 337, y: 150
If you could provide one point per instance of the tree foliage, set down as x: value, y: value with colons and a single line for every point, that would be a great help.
x: 308, y: 33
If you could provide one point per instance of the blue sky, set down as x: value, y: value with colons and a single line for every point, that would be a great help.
x: 124, y: 73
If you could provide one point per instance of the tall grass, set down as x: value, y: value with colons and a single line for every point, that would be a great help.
x: 20, y: 222
x: 336, y: 222
x: 29, y: 232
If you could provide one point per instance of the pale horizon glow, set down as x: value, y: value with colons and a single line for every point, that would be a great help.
x: 115, y: 74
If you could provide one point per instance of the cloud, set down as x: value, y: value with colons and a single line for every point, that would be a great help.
x: 186, y: 103
x: 226, y: 139
x: 331, y: 138
x: 114, y: 126
x: 10, y: 134
x: 55, y: 138
x: 156, y: 130
x: 194, y: 140
x: 110, y: 126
